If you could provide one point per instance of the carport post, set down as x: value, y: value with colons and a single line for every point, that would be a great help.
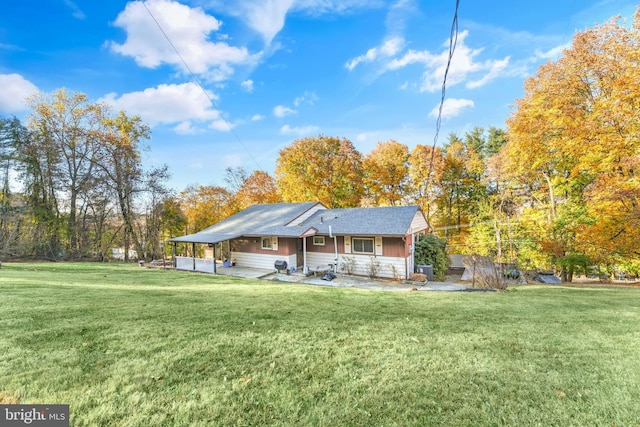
x: 193, y: 254
x: 305, y: 269
x: 215, y: 271
x: 173, y: 258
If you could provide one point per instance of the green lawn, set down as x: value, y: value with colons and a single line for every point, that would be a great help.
x: 124, y: 345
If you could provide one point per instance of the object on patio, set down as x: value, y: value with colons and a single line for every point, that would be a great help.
x: 329, y: 277
x: 280, y: 265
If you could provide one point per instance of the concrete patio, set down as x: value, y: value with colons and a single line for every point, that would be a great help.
x: 341, y: 281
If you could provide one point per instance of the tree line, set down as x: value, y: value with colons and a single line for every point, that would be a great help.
x: 558, y: 188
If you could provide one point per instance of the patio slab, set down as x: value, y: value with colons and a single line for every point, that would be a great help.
x: 341, y: 281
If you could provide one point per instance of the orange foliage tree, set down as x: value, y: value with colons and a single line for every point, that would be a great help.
x: 386, y: 173
x: 574, y: 142
x: 259, y: 187
x: 325, y: 169
x: 248, y: 190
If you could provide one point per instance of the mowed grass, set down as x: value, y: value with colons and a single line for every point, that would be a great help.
x: 129, y: 346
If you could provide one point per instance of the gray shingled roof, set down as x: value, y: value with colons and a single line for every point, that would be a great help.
x: 270, y: 220
x: 386, y: 221
x: 257, y: 220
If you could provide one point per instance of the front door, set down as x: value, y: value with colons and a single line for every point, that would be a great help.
x: 300, y: 254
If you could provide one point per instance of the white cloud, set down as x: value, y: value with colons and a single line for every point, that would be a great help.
x: 308, y: 98
x: 267, y: 17
x: 187, y: 28
x: 247, y: 85
x: 221, y: 125
x: 282, y: 111
x: 77, y: 13
x: 496, y: 69
x: 452, y: 107
x: 300, y: 131
x: 553, y: 53
x: 388, y: 49
x: 185, y: 128
x: 464, y: 64
x: 167, y: 104
x: 15, y: 90
x: 333, y: 7
x: 257, y: 117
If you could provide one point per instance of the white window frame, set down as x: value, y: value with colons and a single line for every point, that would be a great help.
x: 370, y: 239
x: 270, y: 243
x: 319, y: 242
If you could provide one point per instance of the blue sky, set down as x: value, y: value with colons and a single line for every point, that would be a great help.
x: 251, y: 76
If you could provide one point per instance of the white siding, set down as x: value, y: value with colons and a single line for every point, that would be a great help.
x: 316, y: 260
x: 247, y: 259
x: 419, y: 223
x: 362, y: 264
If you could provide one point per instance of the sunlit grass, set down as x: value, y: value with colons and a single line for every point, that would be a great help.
x: 125, y: 345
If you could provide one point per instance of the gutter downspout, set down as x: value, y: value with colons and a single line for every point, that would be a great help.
x: 335, y: 245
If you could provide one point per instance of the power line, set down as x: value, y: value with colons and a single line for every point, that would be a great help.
x: 453, y: 40
x: 197, y: 81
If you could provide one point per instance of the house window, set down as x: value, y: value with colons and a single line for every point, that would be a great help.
x: 318, y: 240
x: 362, y: 245
x: 267, y: 243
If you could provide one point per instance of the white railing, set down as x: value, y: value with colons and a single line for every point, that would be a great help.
x: 187, y: 263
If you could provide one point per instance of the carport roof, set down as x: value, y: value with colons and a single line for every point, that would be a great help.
x: 257, y: 220
x: 203, y: 237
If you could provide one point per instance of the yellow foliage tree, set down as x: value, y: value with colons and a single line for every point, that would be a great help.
x: 325, y: 169
x: 386, y: 173
x: 424, y: 174
x: 574, y: 143
x: 205, y: 205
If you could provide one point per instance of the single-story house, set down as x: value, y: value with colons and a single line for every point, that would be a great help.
x: 309, y: 237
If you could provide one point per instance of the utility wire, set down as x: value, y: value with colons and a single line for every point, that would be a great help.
x: 453, y: 40
x: 197, y: 80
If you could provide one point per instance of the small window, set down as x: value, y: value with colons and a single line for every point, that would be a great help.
x: 318, y: 240
x: 267, y: 243
x: 362, y: 245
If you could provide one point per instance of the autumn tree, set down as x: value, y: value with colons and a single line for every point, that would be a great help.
x: 205, y: 205
x: 248, y: 190
x: 460, y: 187
x: 12, y: 134
x: 324, y: 169
x: 121, y: 168
x: 386, y: 173
x: 574, y: 143
x: 172, y: 220
x: 425, y: 169
x: 69, y: 126
x: 82, y: 177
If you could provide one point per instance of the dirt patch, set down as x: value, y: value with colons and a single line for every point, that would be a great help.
x: 7, y: 398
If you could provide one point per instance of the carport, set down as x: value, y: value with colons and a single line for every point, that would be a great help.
x: 193, y: 263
